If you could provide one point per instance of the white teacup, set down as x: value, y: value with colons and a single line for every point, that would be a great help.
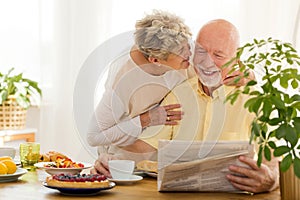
x: 121, y: 169
x: 8, y: 151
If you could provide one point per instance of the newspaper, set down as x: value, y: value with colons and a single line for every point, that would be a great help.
x: 181, y: 169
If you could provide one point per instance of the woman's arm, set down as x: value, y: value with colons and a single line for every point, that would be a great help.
x: 106, y: 128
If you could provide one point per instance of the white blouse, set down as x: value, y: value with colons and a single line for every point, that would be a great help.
x: 129, y: 92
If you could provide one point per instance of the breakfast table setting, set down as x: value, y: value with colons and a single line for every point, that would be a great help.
x: 55, y: 176
x: 30, y: 186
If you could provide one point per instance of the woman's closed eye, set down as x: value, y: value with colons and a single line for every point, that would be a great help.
x: 200, y: 51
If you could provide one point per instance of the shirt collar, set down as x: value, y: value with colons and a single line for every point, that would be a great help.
x: 221, y: 92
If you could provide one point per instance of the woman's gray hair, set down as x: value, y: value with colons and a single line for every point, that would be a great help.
x: 161, y: 33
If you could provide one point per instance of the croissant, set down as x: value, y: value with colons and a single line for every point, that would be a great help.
x: 44, y: 158
x: 54, y: 155
x: 51, y: 156
x: 147, y: 165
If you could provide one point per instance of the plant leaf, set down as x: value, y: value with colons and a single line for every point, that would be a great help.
x: 267, y: 153
x: 297, y: 167
x: 284, y: 81
x: 255, y: 128
x: 34, y: 96
x: 251, y: 83
x: 280, y: 131
x: 3, y: 96
x: 290, y: 112
x: 296, y: 105
x: 259, y: 156
x: 23, y: 101
x: 294, y: 83
x: 267, y: 108
x: 256, y: 105
x: 279, y: 151
x: 295, y: 97
x: 256, y: 93
x: 291, y: 135
x: 250, y: 102
x: 232, y: 97
x: 274, y: 121
x: 286, y: 162
x: 277, y: 102
x: 272, y: 144
x: 296, y: 123
x: 34, y: 85
x: 21, y: 89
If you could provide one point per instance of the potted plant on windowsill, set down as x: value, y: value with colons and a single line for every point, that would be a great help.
x: 17, y: 94
x: 274, y: 99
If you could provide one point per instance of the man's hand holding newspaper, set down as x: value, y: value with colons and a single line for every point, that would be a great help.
x: 199, y: 166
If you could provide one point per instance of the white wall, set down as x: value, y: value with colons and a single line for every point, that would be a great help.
x: 19, y: 37
x: 50, y: 40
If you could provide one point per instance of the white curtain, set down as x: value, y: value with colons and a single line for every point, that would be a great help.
x: 72, y: 30
x: 51, y: 39
x: 296, y: 34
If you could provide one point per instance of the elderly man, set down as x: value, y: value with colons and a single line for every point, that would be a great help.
x: 206, y: 117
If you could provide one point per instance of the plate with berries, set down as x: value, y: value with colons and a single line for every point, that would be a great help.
x: 78, y: 185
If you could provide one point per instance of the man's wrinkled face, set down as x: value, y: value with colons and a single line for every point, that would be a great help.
x: 212, y: 51
x: 207, y: 71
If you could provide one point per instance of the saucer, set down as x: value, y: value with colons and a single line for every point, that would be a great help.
x: 133, y: 178
x: 152, y: 174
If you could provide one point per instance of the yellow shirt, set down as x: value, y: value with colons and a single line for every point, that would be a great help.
x: 205, y: 118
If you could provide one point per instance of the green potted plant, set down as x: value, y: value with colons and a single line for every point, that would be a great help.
x: 17, y: 94
x: 274, y: 99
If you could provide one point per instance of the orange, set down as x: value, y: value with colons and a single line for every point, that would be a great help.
x: 11, y: 166
x: 5, y: 158
x: 3, y: 168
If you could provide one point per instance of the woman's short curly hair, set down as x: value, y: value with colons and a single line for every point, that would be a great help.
x: 161, y: 33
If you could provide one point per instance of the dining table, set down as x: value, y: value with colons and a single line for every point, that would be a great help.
x: 30, y: 187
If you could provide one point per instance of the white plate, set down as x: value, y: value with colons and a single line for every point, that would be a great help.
x: 133, y: 178
x: 53, y: 170
x: 12, y: 177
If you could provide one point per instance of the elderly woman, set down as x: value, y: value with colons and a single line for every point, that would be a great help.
x: 139, y: 80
